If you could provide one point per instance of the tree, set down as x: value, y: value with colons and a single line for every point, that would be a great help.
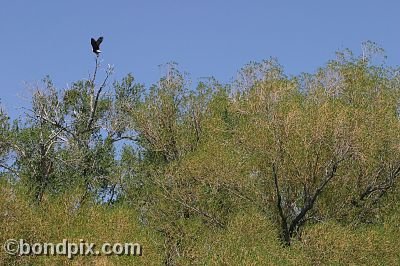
x: 68, y: 141
x: 5, y: 143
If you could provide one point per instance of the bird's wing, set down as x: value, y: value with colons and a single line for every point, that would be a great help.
x: 94, y: 44
x: 99, y: 40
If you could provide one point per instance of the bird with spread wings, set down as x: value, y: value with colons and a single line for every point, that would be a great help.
x: 96, y: 45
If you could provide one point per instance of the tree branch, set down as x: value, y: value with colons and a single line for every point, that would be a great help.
x: 309, y: 201
x: 15, y: 172
x: 284, y: 225
x: 96, y: 100
x: 205, y: 214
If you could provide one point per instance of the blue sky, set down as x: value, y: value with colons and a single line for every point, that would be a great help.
x: 207, y: 38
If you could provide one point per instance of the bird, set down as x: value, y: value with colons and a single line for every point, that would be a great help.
x: 96, y: 45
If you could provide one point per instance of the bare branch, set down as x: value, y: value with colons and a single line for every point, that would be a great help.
x: 15, y: 172
x: 96, y: 100
x: 56, y: 124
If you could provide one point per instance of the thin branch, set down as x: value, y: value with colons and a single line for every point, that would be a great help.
x: 96, y: 101
x: 15, y: 172
x: 125, y: 138
x: 235, y: 192
x: 167, y: 195
x: 95, y: 71
x: 382, y: 187
x: 58, y: 125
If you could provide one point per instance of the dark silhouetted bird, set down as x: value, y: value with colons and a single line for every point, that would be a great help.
x: 96, y: 45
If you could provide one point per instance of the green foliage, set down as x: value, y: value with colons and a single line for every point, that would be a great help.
x: 4, y: 137
x: 57, y: 218
x: 269, y: 169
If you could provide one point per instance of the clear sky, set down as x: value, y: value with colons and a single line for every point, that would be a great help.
x: 207, y: 37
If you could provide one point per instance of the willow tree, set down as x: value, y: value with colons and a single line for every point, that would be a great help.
x: 67, y: 141
x: 322, y: 146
